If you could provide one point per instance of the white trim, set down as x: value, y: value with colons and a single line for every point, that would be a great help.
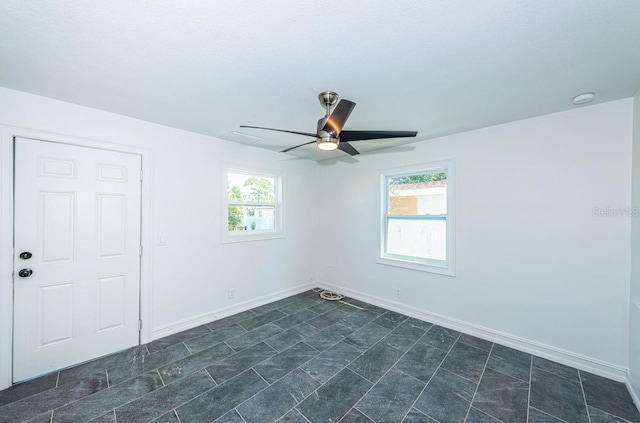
x: 200, y: 319
x: 634, y: 395
x: 243, y: 236
x: 595, y: 366
x: 443, y: 267
x: 6, y: 233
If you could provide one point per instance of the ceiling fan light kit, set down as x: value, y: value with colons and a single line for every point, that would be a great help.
x: 327, y: 144
x: 329, y: 134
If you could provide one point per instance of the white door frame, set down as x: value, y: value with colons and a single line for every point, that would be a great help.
x: 7, y: 135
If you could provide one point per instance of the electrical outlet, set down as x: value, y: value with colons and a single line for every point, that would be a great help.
x: 398, y: 292
x: 310, y: 279
x: 232, y: 293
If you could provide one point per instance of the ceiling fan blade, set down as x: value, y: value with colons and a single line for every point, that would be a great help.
x: 309, y: 134
x: 291, y: 148
x: 348, y: 148
x: 350, y: 136
x: 338, y: 117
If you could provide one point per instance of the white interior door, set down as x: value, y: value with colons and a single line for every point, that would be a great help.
x: 77, y: 212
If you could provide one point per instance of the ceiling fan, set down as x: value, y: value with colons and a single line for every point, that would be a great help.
x: 330, y: 136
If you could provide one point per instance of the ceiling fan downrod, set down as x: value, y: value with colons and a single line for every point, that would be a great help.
x: 327, y: 100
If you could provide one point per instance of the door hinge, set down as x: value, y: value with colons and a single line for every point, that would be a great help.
x: 139, y: 325
x: 140, y: 251
x: 141, y: 175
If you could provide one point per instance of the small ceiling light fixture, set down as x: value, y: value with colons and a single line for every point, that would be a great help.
x: 583, y: 98
x: 327, y: 144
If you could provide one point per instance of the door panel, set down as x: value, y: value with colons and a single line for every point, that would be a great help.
x: 56, y: 227
x: 111, y: 225
x: 55, y: 314
x: 77, y: 210
x: 110, y: 302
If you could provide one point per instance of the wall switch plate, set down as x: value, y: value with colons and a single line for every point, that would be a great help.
x: 162, y: 239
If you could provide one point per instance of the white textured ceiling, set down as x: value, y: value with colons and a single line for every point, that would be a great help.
x: 438, y: 67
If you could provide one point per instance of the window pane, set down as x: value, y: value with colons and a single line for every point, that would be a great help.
x: 418, y: 194
x: 417, y: 238
x: 250, y: 189
x: 252, y: 218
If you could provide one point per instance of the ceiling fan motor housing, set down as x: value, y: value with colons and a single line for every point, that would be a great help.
x: 324, y: 134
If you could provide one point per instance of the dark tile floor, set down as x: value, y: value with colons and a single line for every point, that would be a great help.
x: 303, y: 359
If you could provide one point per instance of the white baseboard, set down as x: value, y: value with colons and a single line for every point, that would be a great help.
x: 200, y: 319
x: 559, y: 355
x: 632, y: 391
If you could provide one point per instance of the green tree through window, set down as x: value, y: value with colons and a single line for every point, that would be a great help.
x: 261, y: 190
x: 414, y: 179
x: 235, y: 212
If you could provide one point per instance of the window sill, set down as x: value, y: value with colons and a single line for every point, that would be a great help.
x: 245, y: 237
x: 440, y: 270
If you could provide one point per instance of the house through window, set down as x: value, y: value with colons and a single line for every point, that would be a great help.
x: 417, y: 218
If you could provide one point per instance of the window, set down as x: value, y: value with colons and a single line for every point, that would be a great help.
x: 252, y: 205
x: 417, y: 217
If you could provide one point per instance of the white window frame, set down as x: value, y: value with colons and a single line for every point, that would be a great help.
x: 241, y: 236
x: 442, y: 267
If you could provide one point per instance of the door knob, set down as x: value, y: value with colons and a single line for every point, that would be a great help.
x: 26, y: 255
x: 25, y: 273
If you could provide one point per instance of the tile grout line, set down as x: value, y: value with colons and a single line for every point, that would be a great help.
x: 300, y: 413
x: 265, y: 381
x: 505, y: 374
x: 486, y: 414
x: 550, y: 415
x: 247, y: 399
x: 208, y: 374
x: 584, y: 397
x: 345, y: 367
x: 478, y: 385
x: 234, y: 351
x: 359, y: 411
x: 373, y: 384
x: 553, y: 373
x: 428, y: 416
x: 238, y: 413
x: 610, y: 414
x: 411, y: 376
x: 160, y: 376
x: 279, y: 379
x: 180, y: 404
x: 321, y: 352
x: 434, y: 373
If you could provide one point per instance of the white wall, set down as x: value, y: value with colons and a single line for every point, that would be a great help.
x: 634, y: 306
x: 191, y: 275
x: 534, y: 266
